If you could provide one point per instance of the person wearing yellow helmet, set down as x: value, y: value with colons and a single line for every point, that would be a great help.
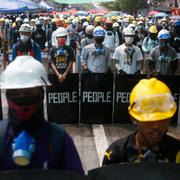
x: 151, y: 108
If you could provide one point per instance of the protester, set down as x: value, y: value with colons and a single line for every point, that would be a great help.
x: 26, y: 46
x: 29, y: 141
x: 151, y: 108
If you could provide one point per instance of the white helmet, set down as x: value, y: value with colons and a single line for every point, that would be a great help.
x: 89, y: 29
x: 129, y: 31
x: 75, y: 22
x: 85, y: 24
x: 164, y: 34
x: 60, y: 32
x: 99, y: 31
x: 24, y: 72
x: 26, y: 20
x: 25, y: 28
x: 115, y: 24
x: 18, y: 19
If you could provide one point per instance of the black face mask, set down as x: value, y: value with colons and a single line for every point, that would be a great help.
x: 109, y: 27
x: 90, y: 36
x: 38, y: 27
x: 99, y: 40
x: 153, y: 36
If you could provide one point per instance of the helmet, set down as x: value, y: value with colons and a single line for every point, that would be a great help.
x: 132, y: 25
x: 38, y: 22
x: 164, y: 34
x: 113, y: 18
x: 26, y: 20
x: 2, y: 20
x: 75, y: 22
x: 129, y: 31
x: 99, y: 31
x: 177, y: 23
x: 89, y: 29
x: 24, y: 72
x: 126, y: 20
x: 98, y: 19
x: 18, y: 19
x: 25, y: 28
x: 85, y: 24
x: 108, y: 21
x: 32, y: 20
x: 153, y: 29
x: 61, y: 32
x: 151, y: 100
x: 115, y: 24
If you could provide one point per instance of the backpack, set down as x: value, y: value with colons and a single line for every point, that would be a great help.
x: 56, y: 142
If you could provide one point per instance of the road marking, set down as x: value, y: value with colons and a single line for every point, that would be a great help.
x: 100, y: 141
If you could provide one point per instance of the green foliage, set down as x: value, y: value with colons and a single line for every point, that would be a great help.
x: 129, y: 6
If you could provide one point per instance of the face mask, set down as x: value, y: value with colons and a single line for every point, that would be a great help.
x: 23, y: 147
x: 129, y: 40
x: 153, y: 36
x: 24, y: 38
x: 99, y: 40
x: 23, y: 108
x: 61, y: 41
x: 162, y: 44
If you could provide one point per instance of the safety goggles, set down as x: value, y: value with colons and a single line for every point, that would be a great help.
x: 154, y: 103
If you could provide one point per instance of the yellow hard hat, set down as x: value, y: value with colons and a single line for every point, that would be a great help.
x: 98, y: 19
x: 2, y: 20
x: 53, y: 20
x: 153, y: 29
x: 113, y: 18
x: 151, y: 100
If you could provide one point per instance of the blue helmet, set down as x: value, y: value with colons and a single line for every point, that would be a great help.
x: 99, y: 31
x: 164, y: 34
x: 177, y: 23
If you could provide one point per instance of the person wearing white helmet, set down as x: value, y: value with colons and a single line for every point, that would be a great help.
x: 15, y: 30
x: 61, y: 56
x: 128, y: 57
x: 27, y: 135
x: 26, y: 46
x: 26, y: 21
x: 95, y: 57
x: 116, y: 28
x: 163, y: 58
x: 88, y: 39
x: 39, y: 35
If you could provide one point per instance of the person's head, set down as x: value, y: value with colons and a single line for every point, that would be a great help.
x: 38, y: 25
x: 99, y: 35
x: 108, y: 24
x: 61, y: 36
x: 89, y: 31
x: 23, y: 80
x: 129, y: 34
x: 151, y: 107
x: 18, y: 21
x: 25, y: 33
x: 163, y: 36
x: 152, y: 32
x: 116, y: 26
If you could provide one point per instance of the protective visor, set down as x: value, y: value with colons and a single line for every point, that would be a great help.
x: 154, y: 103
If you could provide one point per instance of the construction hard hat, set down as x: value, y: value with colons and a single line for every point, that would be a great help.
x: 132, y: 25
x: 177, y: 23
x: 26, y: 20
x: 25, y: 28
x: 164, y: 34
x: 115, y: 24
x: 18, y: 19
x: 98, y: 19
x: 38, y: 22
x: 129, y: 31
x: 61, y: 32
x: 89, y: 29
x: 153, y: 29
x: 108, y: 21
x: 98, y: 31
x: 24, y: 72
x: 85, y: 24
x: 2, y: 20
x: 151, y: 100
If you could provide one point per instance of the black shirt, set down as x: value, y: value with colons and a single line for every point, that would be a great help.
x: 125, y: 150
x: 61, y: 57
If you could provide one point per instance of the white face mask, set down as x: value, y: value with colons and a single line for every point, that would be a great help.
x: 24, y: 38
x: 129, y: 40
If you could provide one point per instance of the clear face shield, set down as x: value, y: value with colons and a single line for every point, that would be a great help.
x: 154, y: 103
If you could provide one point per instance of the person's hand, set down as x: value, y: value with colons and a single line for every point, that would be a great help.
x: 64, y: 76
x: 60, y: 77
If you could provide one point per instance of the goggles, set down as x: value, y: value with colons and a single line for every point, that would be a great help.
x: 154, y: 103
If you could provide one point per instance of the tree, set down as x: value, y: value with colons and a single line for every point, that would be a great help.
x: 129, y: 6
